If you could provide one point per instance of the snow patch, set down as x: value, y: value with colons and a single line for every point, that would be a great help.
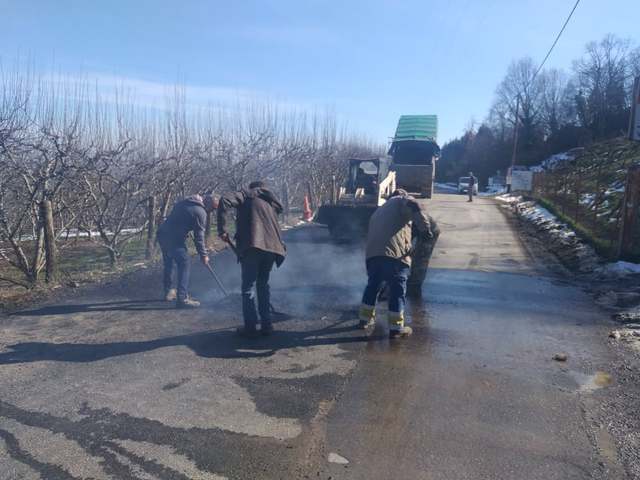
x: 554, y: 161
x: 447, y: 186
x: 554, y: 233
x: 620, y: 269
x: 508, y: 198
x: 494, y: 190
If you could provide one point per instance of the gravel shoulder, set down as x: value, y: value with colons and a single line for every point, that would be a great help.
x: 615, y: 418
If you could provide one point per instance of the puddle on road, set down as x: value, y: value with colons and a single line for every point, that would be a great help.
x: 588, y: 383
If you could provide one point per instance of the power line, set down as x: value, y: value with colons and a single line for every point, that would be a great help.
x: 566, y: 22
x: 517, y: 116
x: 517, y: 119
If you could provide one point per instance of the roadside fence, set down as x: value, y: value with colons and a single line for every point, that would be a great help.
x: 598, y: 194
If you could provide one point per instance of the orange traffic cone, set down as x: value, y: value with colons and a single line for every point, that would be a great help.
x: 307, y: 214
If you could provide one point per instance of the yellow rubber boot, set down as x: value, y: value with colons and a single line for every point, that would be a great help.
x: 397, y: 328
x: 367, y: 316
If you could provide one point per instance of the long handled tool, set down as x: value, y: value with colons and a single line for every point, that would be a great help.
x: 217, y: 279
x: 233, y: 247
x: 215, y: 276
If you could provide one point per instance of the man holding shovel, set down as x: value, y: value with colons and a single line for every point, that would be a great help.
x: 258, y: 246
x: 388, y: 254
x: 188, y: 215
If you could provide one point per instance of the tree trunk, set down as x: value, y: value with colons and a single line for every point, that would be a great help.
x: 285, y: 199
x: 22, y: 261
x: 334, y: 191
x: 151, y: 228
x: 113, y: 257
x: 33, y: 270
x: 312, y: 203
x: 51, y: 254
x: 165, y: 205
x: 207, y: 230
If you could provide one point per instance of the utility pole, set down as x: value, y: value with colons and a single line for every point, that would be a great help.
x: 631, y: 199
x: 629, y: 213
x: 515, y: 141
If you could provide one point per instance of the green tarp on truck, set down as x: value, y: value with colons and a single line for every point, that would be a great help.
x: 417, y: 127
x: 414, y: 151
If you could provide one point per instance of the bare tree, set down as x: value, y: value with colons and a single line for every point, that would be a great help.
x: 604, y: 75
x: 76, y: 165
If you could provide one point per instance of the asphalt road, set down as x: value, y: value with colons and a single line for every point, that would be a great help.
x: 113, y: 384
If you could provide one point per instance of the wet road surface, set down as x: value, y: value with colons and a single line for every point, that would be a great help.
x: 475, y: 393
x: 113, y: 384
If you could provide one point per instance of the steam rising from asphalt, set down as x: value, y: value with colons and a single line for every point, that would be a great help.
x: 318, y: 275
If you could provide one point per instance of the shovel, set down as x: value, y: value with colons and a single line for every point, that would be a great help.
x: 217, y: 279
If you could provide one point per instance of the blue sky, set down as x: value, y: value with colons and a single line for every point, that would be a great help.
x: 369, y: 61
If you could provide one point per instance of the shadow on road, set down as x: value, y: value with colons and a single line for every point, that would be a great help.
x: 213, y: 344
x: 123, y: 306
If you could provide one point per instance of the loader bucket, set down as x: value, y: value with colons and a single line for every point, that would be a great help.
x: 346, y: 223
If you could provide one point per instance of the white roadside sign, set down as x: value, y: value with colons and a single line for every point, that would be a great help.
x: 521, y: 181
x: 634, y: 124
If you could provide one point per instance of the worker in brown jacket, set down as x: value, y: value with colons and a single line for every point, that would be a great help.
x: 259, y: 247
x: 388, y: 257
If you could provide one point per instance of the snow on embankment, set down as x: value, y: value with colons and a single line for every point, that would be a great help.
x: 620, y: 269
x: 563, y: 241
x: 450, y: 187
x: 557, y: 236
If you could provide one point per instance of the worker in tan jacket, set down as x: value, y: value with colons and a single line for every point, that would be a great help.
x: 388, y: 257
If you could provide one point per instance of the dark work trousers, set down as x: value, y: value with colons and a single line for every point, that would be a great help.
x: 394, y: 273
x: 256, y: 266
x: 179, y: 255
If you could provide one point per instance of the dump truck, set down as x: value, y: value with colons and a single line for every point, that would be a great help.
x: 368, y: 184
x: 414, y: 152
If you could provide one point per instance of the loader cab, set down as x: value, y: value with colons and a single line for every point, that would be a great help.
x: 369, y: 182
x: 366, y: 175
x: 363, y: 174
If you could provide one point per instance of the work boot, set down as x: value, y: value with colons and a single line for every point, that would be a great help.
x: 397, y: 327
x: 187, y: 303
x: 401, y: 332
x: 170, y: 295
x: 247, y: 332
x: 367, y: 316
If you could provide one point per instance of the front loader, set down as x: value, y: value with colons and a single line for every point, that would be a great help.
x: 369, y: 183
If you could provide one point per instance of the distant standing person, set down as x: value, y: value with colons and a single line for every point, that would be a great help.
x: 388, y: 257
x: 188, y: 215
x: 472, y: 184
x: 259, y: 247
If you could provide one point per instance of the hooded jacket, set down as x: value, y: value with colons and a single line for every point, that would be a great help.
x: 390, y: 228
x: 256, y: 221
x: 187, y: 215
